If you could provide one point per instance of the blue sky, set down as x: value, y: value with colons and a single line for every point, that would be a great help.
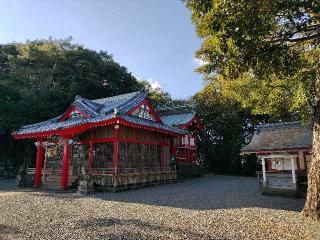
x: 154, y: 39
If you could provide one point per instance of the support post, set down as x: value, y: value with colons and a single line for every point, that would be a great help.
x: 45, y: 164
x: 37, y: 179
x: 301, y: 161
x: 293, y: 170
x: 65, y: 166
x: 115, y: 149
x: 263, y: 162
x: 90, y: 163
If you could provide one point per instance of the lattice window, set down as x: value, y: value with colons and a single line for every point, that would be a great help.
x: 75, y: 115
x: 102, y: 155
x: 143, y: 112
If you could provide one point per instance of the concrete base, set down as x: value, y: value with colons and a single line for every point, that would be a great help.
x: 294, y: 193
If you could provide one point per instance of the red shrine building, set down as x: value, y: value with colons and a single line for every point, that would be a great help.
x: 119, y: 142
x: 185, y: 147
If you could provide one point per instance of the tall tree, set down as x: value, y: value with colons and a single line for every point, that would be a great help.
x: 266, y: 54
x: 227, y: 127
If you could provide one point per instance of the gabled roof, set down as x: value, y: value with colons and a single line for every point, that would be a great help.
x: 123, y: 103
x: 280, y: 137
x: 178, y: 119
x: 96, y: 113
x: 180, y: 116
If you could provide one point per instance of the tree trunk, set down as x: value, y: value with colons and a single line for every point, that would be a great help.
x: 312, y: 205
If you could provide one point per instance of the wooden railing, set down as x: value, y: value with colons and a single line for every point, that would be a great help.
x: 31, y: 171
x: 110, y: 171
x: 103, y: 171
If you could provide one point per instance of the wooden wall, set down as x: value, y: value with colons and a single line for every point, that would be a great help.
x: 102, y: 155
x: 137, y: 148
x: 98, y: 132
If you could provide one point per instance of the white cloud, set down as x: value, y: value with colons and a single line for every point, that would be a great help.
x: 199, y: 62
x: 154, y: 84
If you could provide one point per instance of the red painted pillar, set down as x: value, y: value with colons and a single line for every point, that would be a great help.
x: 90, y: 163
x: 115, y: 148
x: 65, y: 164
x: 37, y: 178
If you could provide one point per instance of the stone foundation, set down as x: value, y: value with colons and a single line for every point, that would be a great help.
x: 127, y: 181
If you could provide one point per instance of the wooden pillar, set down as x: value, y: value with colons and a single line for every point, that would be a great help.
x: 90, y: 163
x: 115, y: 149
x: 45, y: 164
x: 263, y: 162
x: 161, y: 157
x: 293, y: 169
x: 37, y: 178
x: 65, y: 164
x: 301, y: 161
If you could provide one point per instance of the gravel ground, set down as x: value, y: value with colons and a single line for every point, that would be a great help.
x: 212, y: 207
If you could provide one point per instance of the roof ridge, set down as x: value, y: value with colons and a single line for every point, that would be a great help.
x: 99, y: 99
x: 293, y: 123
x: 133, y: 98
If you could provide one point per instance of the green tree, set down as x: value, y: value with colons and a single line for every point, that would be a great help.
x: 227, y: 127
x: 265, y: 53
x: 157, y: 95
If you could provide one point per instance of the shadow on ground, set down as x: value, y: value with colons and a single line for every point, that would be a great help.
x: 147, y: 233
x: 206, y: 193
x: 9, y: 185
x: 5, y: 229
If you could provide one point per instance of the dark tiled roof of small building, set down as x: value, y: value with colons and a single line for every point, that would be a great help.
x: 280, y: 136
x: 99, y: 110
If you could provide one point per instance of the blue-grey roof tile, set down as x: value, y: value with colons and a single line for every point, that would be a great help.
x: 177, y: 119
x: 150, y: 123
x: 99, y: 110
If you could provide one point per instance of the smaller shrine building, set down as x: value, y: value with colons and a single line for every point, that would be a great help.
x: 285, y: 153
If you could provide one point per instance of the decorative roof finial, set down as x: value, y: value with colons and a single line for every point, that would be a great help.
x: 77, y: 97
x: 115, y: 111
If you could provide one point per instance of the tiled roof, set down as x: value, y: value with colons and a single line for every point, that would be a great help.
x: 149, y: 123
x: 280, y: 136
x: 56, y: 125
x: 99, y: 110
x: 177, y: 119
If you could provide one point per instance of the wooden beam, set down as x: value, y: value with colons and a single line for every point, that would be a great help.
x: 293, y: 170
x: 90, y: 163
x: 263, y: 162
x: 289, y: 156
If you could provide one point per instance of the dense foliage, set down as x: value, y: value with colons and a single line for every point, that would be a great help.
x: 264, y: 53
x: 227, y: 127
x: 39, y: 79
